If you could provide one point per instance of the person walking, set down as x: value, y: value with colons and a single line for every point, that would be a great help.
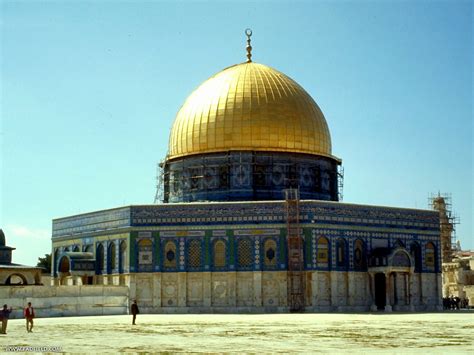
x: 5, y: 315
x: 29, y: 314
x: 134, y: 310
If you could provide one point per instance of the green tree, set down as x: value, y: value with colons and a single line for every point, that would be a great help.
x: 45, y: 263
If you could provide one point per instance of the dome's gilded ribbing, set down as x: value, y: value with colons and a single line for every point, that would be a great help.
x: 253, y: 107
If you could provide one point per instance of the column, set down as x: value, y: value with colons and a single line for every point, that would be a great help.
x: 422, y: 297
x: 395, y: 288
x: 411, y: 296
x: 388, y: 306
x: 407, y: 289
x: 373, y: 306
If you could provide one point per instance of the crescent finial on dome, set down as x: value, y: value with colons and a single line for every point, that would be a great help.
x: 248, y: 33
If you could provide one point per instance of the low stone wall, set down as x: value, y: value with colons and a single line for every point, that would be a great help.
x: 58, y: 301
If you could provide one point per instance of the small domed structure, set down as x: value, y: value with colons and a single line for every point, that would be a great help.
x: 14, y: 274
x: 2, y: 238
x: 5, y: 251
x: 247, y: 133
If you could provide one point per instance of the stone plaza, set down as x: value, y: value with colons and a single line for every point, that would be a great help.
x: 380, y: 333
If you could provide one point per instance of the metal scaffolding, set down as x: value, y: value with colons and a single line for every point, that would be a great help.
x: 296, y: 276
x: 160, y: 183
x: 207, y: 175
x: 340, y: 182
x: 448, y: 220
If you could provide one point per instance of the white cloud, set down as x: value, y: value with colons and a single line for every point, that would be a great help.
x: 14, y: 231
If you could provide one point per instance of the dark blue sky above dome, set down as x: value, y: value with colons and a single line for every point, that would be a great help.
x: 90, y: 91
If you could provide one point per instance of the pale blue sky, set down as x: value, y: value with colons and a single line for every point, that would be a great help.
x: 89, y: 91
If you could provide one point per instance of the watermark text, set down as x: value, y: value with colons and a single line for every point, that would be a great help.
x: 35, y: 349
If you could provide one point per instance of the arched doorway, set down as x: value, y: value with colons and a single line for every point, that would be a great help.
x: 415, y: 251
x: 122, y: 256
x: 64, y: 265
x: 380, y: 290
x: 55, y: 262
x: 111, y: 258
x: 16, y: 279
x: 99, y: 257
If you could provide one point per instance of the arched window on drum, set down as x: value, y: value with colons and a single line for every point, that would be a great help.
x: 169, y: 255
x: 145, y: 255
x: 322, y: 252
x: 430, y: 256
x: 360, y: 259
x: 219, y: 254
x: 270, y: 253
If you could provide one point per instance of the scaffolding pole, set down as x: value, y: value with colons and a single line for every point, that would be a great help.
x: 160, y: 183
x: 340, y: 182
x: 296, y: 279
x: 448, y: 220
x: 263, y: 170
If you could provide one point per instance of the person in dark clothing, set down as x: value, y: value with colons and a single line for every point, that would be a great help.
x: 457, y: 300
x: 134, y: 310
x: 452, y: 302
x: 4, y: 316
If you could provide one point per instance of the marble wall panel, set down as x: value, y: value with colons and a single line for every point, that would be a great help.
x: 358, y: 284
x: 169, y: 289
x: 245, y: 289
x: 194, y: 290
x: 144, y: 290
x: 220, y: 289
x: 270, y: 288
x: 322, y: 288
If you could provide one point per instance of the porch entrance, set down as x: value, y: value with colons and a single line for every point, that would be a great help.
x: 380, y: 291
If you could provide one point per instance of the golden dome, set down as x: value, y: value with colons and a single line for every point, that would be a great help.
x: 249, y: 106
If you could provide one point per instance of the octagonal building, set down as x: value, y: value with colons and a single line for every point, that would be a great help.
x: 250, y: 219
